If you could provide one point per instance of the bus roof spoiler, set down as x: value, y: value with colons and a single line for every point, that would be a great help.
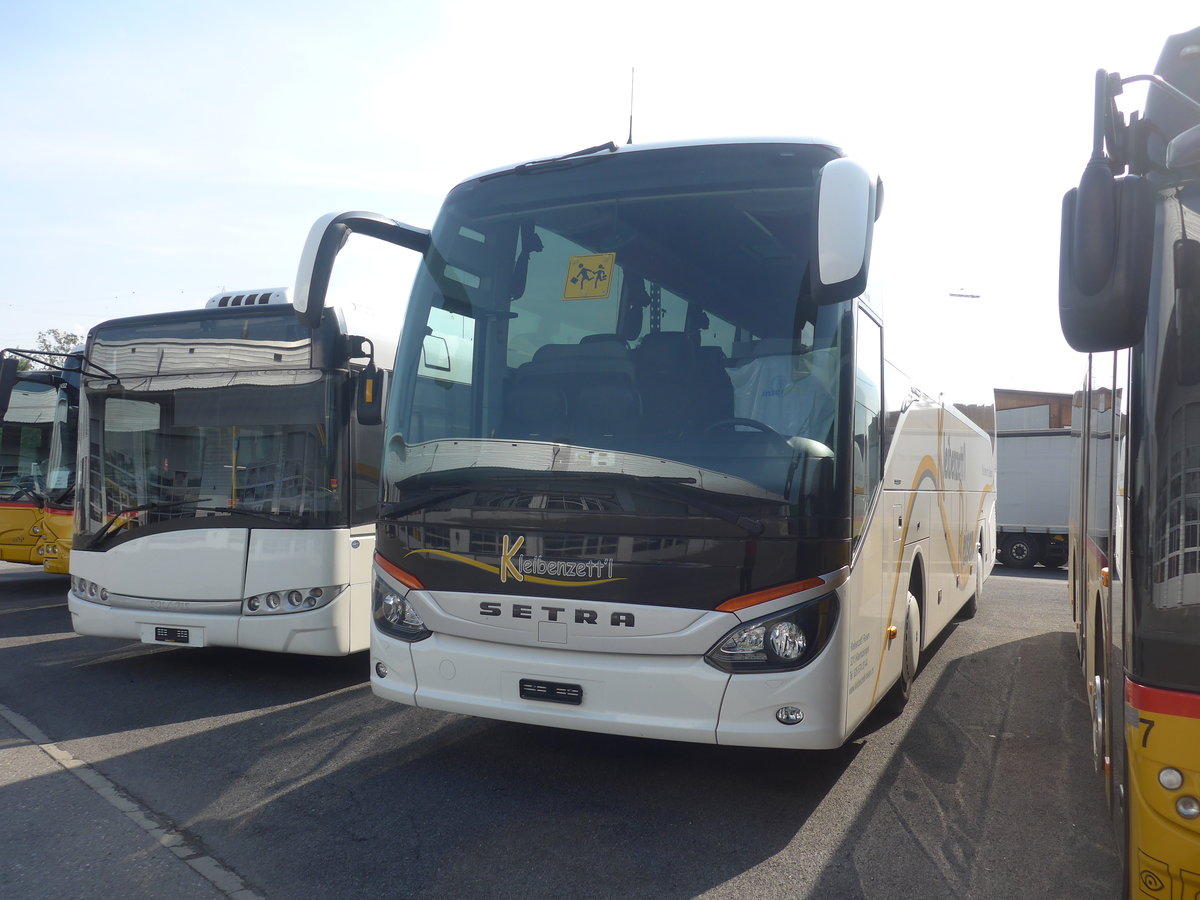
x: 326, y: 238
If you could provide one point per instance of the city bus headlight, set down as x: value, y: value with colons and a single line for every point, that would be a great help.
x: 394, y: 615
x: 780, y: 642
x: 290, y: 600
x: 88, y: 590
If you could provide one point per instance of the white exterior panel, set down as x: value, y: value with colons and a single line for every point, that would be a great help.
x: 196, y: 564
x: 667, y: 697
x: 1035, y: 472
x: 198, y: 580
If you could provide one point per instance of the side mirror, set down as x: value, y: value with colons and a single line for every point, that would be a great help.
x: 369, y: 394
x: 1184, y: 149
x: 8, y: 380
x: 1105, y: 254
x: 326, y: 238
x: 844, y: 219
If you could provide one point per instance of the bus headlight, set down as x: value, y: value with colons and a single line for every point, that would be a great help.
x: 1188, y: 807
x: 88, y: 590
x: 394, y: 615
x: 290, y: 600
x: 780, y: 642
x: 1170, y: 779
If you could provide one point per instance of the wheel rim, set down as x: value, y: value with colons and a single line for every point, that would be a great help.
x: 909, y: 669
x: 1097, y: 720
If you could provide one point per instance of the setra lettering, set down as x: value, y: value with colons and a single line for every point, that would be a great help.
x: 494, y: 609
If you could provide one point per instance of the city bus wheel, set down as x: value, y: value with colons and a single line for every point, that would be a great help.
x: 972, y: 605
x: 897, y: 698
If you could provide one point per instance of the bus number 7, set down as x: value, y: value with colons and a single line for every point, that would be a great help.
x: 1149, y: 723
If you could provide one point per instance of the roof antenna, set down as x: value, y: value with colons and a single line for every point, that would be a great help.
x: 631, y: 71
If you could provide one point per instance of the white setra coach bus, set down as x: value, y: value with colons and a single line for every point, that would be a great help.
x: 228, y: 479
x: 646, y: 469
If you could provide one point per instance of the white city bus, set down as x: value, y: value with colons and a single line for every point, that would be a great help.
x: 664, y: 483
x: 228, y: 479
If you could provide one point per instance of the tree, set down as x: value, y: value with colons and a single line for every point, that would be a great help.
x: 53, y: 340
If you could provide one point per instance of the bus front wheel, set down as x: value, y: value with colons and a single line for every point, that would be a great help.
x: 897, y: 698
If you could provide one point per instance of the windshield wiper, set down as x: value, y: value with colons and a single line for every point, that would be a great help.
x: 555, y: 161
x: 396, y: 509
x: 486, y: 479
x: 670, y: 487
x: 285, y: 518
x: 162, y: 505
x: 156, y: 505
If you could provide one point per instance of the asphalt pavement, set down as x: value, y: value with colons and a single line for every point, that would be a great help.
x: 136, y: 771
x: 69, y: 832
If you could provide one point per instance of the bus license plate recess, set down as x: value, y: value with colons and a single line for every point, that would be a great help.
x: 551, y: 691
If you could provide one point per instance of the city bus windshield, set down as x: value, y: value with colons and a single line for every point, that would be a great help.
x: 636, y: 315
x: 25, y: 438
x: 169, y: 453
x: 60, y: 474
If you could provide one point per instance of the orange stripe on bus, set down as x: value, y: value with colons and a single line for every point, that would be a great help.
x: 736, y: 603
x: 405, y: 578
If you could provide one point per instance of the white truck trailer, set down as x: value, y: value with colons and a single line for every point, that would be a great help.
x: 1035, y: 453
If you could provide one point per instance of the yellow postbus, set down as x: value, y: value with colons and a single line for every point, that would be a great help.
x: 1130, y: 298
x: 39, y: 412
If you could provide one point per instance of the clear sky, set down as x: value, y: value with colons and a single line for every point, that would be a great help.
x: 153, y: 154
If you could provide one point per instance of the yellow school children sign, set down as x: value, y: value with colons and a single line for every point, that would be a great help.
x: 589, y: 277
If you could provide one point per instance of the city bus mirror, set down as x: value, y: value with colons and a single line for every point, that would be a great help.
x: 8, y: 380
x: 1104, y: 260
x: 1093, y: 230
x: 1183, y: 151
x: 1187, y: 309
x: 844, y: 218
x: 368, y: 401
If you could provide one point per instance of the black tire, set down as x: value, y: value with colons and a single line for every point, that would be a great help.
x: 1021, y: 552
x: 972, y: 605
x: 896, y: 699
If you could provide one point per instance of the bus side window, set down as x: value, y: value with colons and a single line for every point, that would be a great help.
x: 867, y: 438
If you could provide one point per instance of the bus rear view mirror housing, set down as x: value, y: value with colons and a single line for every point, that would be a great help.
x: 325, y: 240
x: 1104, y: 259
x: 1183, y: 151
x: 847, y: 205
x: 368, y: 399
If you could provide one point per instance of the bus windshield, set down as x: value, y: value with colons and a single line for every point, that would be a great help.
x: 60, y: 475
x: 168, y: 454
x: 587, y: 324
x: 25, y: 437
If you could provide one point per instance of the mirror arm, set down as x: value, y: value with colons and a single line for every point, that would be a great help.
x: 1160, y: 82
x: 325, y: 240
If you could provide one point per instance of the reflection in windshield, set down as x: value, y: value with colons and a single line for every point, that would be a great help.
x: 653, y: 304
x: 60, y: 475
x: 25, y: 438
x: 165, y: 456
